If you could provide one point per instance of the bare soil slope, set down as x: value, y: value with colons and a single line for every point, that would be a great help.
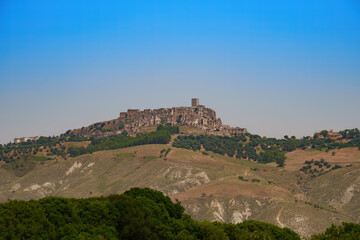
x: 211, y: 187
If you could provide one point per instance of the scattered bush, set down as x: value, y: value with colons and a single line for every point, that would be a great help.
x: 336, y: 167
x: 242, y: 178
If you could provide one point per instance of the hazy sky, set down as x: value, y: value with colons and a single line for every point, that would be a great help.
x: 273, y: 67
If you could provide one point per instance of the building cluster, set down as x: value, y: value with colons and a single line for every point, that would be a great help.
x: 333, y: 135
x: 197, y: 115
x: 133, y: 121
x: 330, y: 134
x: 25, y: 139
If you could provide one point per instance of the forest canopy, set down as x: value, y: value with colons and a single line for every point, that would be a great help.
x: 139, y: 213
x: 135, y: 214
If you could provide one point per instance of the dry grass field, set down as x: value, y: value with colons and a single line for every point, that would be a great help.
x: 212, y: 186
x: 295, y: 160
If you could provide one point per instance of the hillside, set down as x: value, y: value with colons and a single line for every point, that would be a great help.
x: 139, y: 213
x: 134, y: 121
x: 210, y: 186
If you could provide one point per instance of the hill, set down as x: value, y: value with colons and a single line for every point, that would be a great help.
x: 134, y: 121
x: 135, y: 214
x: 210, y: 186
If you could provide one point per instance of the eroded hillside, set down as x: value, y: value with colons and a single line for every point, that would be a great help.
x: 210, y: 186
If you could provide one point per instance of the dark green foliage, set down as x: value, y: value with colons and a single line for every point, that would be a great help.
x: 262, y: 149
x: 336, y: 167
x: 115, y: 142
x: 179, y: 119
x: 309, y: 162
x: 76, y: 151
x: 273, y: 155
x: 324, y: 133
x: 347, y: 231
x: 216, y: 144
x: 256, y: 230
x: 161, y: 136
x: 106, y: 130
x: 30, y: 148
x: 187, y: 142
x: 42, y: 159
x: 235, y: 146
x: 239, y: 146
x: 174, y: 210
x: 242, y: 178
x: 290, y: 145
x: 136, y: 214
x: 316, y: 164
x: 167, y: 151
x: 350, y: 133
x: 171, y: 129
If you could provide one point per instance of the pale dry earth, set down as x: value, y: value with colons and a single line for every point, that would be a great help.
x: 207, y: 185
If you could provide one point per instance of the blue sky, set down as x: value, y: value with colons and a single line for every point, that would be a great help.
x: 274, y: 67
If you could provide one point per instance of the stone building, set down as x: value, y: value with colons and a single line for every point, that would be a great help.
x: 20, y: 140
x: 330, y: 134
x: 133, y: 120
x: 25, y: 139
x: 334, y: 135
x: 194, y: 102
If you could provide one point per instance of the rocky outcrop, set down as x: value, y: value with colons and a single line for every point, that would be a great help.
x: 134, y: 120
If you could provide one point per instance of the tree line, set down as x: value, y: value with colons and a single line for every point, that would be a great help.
x: 139, y: 213
x: 14, y: 151
x: 263, y: 149
x: 135, y: 214
x: 11, y: 151
x: 162, y: 135
x: 253, y: 148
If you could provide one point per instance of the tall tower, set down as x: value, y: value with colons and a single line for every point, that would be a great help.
x: 194, y: 102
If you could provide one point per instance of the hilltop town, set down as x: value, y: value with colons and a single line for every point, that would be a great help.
x: 305, y: 184
x: 133, y: 121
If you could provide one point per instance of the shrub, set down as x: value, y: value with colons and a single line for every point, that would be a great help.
x: 336, y: 167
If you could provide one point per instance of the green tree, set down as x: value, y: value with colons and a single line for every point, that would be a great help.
x: 324, y: 133
x: 346, y: 231
x: 273, y: 155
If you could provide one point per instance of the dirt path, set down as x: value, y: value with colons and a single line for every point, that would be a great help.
x: 278, y: 218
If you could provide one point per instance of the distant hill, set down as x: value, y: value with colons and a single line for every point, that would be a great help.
x: 218, y: 173
x: 136, y: 214
x: 209, y: 185
x: 134, y: 121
